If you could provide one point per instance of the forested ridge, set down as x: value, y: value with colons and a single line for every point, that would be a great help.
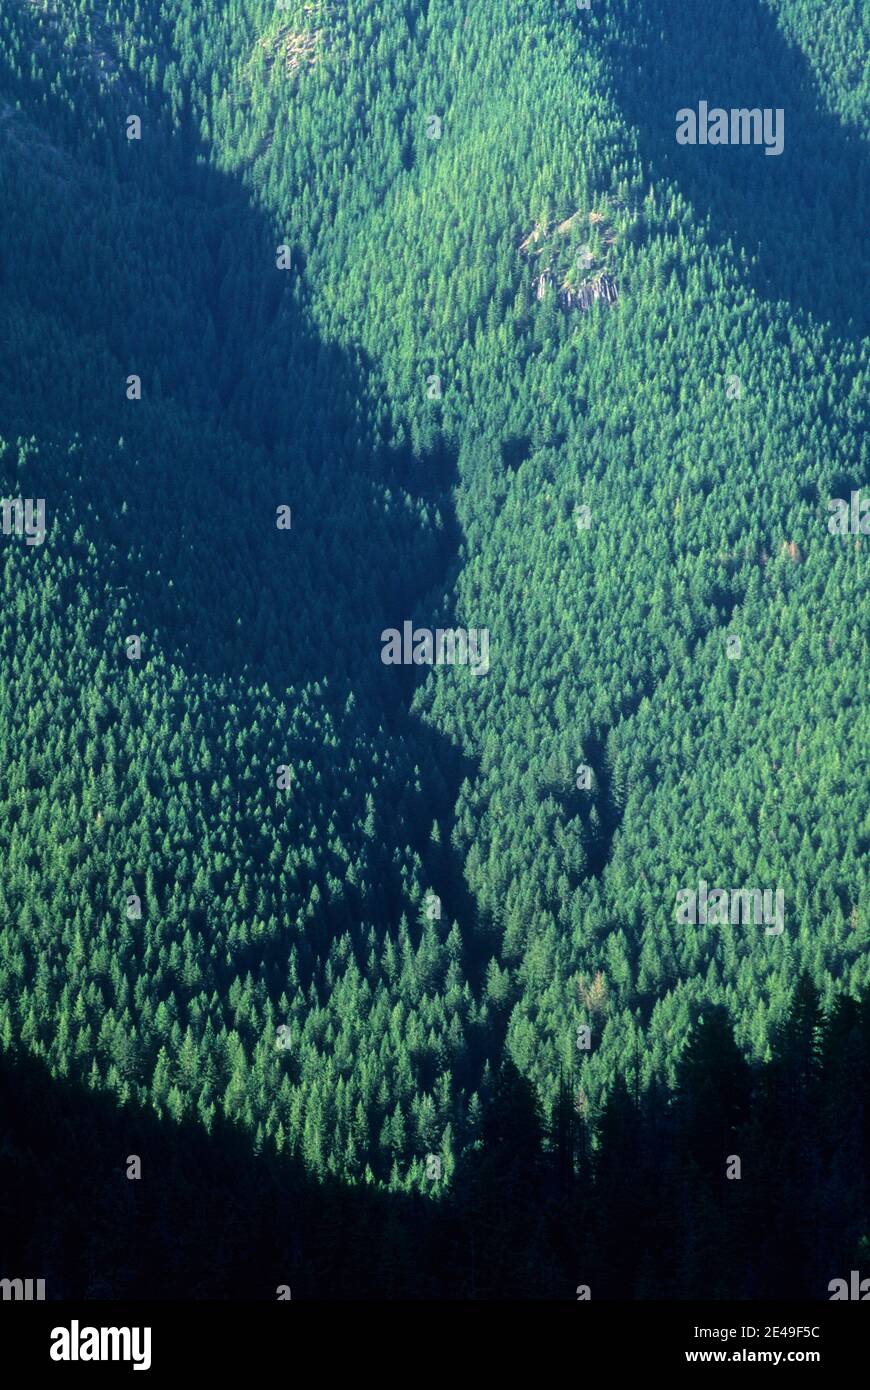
x: 321, y: 263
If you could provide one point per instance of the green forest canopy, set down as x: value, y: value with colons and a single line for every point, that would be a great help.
x: 305, y: 907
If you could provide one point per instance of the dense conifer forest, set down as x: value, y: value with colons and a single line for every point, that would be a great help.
x: 321, y: 318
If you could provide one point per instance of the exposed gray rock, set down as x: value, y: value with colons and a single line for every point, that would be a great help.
x: 603, y: 289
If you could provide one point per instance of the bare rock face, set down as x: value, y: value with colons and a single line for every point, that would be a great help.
x: 543, y: 282
x: 602, y: 289
x: 607, y: 289
x: 593, y: 291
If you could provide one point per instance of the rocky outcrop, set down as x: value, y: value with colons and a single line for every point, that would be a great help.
x: 607, y: 286
x: 542, y: 283
x: 602, y: 290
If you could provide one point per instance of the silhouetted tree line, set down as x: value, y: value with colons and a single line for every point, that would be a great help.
x: 634, y: 1204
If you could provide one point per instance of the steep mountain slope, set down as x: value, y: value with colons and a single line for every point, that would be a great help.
x: 437, y: 430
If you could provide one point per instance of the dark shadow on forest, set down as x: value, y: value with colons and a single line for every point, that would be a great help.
x: 648, y: 1215
x: 245, y: 408
x: 803, y: 212
x: 207, y: 1219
